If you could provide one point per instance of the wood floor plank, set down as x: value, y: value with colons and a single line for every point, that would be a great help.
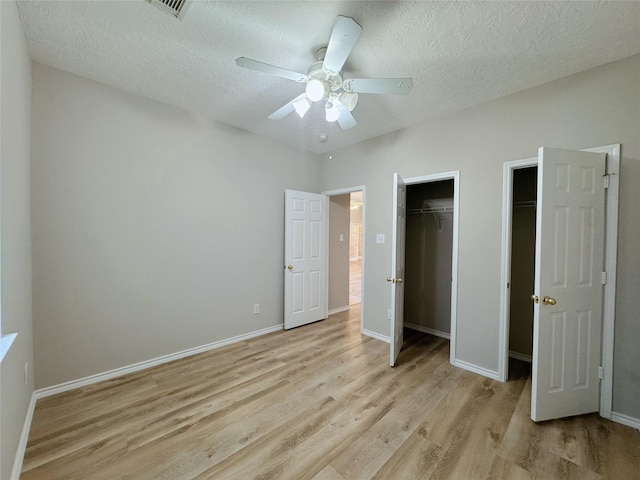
x: 318, y: 403
x: 328, y: 473
x: 416, y: 458
x: 368, y: 453
x: 507, y: 470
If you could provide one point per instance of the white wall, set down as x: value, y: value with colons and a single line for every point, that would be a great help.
x: 15, y: 127
x: 596, y: 107
x: 154, y: 230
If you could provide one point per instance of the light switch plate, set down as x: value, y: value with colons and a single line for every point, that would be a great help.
x: 380, y: 238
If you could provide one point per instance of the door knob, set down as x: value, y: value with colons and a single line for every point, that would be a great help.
x: 389, y: 279
x: 289, y: 267
x: 547, y: 300
x: 398, y: 280
x: 535, y: 298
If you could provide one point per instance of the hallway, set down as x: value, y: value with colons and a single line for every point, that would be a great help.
x: 355, y: 282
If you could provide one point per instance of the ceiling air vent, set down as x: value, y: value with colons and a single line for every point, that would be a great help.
x: 172, y: 7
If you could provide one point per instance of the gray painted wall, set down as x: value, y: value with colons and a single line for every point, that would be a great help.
x: 339, y: 210
x: 154, y: 230
x: 15, y: 153
x: 597, y: 107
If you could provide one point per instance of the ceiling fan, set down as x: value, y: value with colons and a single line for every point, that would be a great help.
x: 325, y: 82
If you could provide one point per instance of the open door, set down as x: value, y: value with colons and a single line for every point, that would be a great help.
x: 305, y: 250
x: 567, y: 326
x: 397, y: 266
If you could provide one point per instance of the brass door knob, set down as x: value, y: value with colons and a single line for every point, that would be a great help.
x: 547, y: 300
x: 398, y: 280
x: 289, y: 267
x: 535, y: 298
x: 389, y: 279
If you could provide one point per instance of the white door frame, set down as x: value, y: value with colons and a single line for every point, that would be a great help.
x: 611, y: 242
x: 455, y: 176
x: 343, y: 191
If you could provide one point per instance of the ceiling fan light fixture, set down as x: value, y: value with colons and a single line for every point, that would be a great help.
x: 332, y: 113
x: 315, y: 90
x: 348, y: 99
x: 302, y: 106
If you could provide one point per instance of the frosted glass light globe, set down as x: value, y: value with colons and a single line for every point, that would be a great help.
x: 302, y: 106
x: 332, y: 113
x: 315, y: 90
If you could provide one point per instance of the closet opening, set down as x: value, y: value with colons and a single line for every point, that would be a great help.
x: 523, y: 253
x: 429, y: 257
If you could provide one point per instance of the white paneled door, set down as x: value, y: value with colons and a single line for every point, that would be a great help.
x: 569, y: 283
x: 305, y: 250
x: 397, y: 266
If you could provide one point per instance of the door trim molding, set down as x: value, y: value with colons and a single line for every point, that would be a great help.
x: 610, y: 259
x: 611, y: 254
x: 343, y: 191
x: 455, y: 176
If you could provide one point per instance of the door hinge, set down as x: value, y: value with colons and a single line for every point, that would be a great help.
x: 600, y: 373
x: 606, y: 180
x: 604, y: 278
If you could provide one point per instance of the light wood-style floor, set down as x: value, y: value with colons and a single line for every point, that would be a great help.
x: 318, y: 402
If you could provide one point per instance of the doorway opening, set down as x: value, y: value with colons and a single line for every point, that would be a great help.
x: 515, y: 188
x: 355, y: 248
x: 425, y: 254
x: 523, y: 256
x: 346, y: 256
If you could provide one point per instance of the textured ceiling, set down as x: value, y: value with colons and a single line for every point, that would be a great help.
x: 458, y: 53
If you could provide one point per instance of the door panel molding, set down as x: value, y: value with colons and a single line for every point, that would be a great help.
x: 305, y: 256
x: 398, y: 241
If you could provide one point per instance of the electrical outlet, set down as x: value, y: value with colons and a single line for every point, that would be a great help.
x: 342, y: 237
x: 389, y: 314
x: 256, y: 308
x: 380, y: 238
x: 26, y: 373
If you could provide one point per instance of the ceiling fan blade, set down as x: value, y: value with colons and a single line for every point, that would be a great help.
x: 394, y: 86
x: 286, y: 109
x: 266, y: 68
x: 345, y: 119
x: 343, y: 37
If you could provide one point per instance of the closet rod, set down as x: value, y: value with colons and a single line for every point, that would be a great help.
x: 414, y: 211
x: 525, y: 203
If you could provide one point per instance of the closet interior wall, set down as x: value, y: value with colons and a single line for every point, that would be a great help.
x: 523, y: 252
x: 428, y: 257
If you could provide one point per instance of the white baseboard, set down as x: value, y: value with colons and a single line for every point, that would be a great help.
x: 430, y: 331
x: 136, y: 367
x: 24, y: 437
x: 476, y: 369
x: 375, y: 335
x: 520, y: 356
x: 338, y: 310
x: 626, y: 420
